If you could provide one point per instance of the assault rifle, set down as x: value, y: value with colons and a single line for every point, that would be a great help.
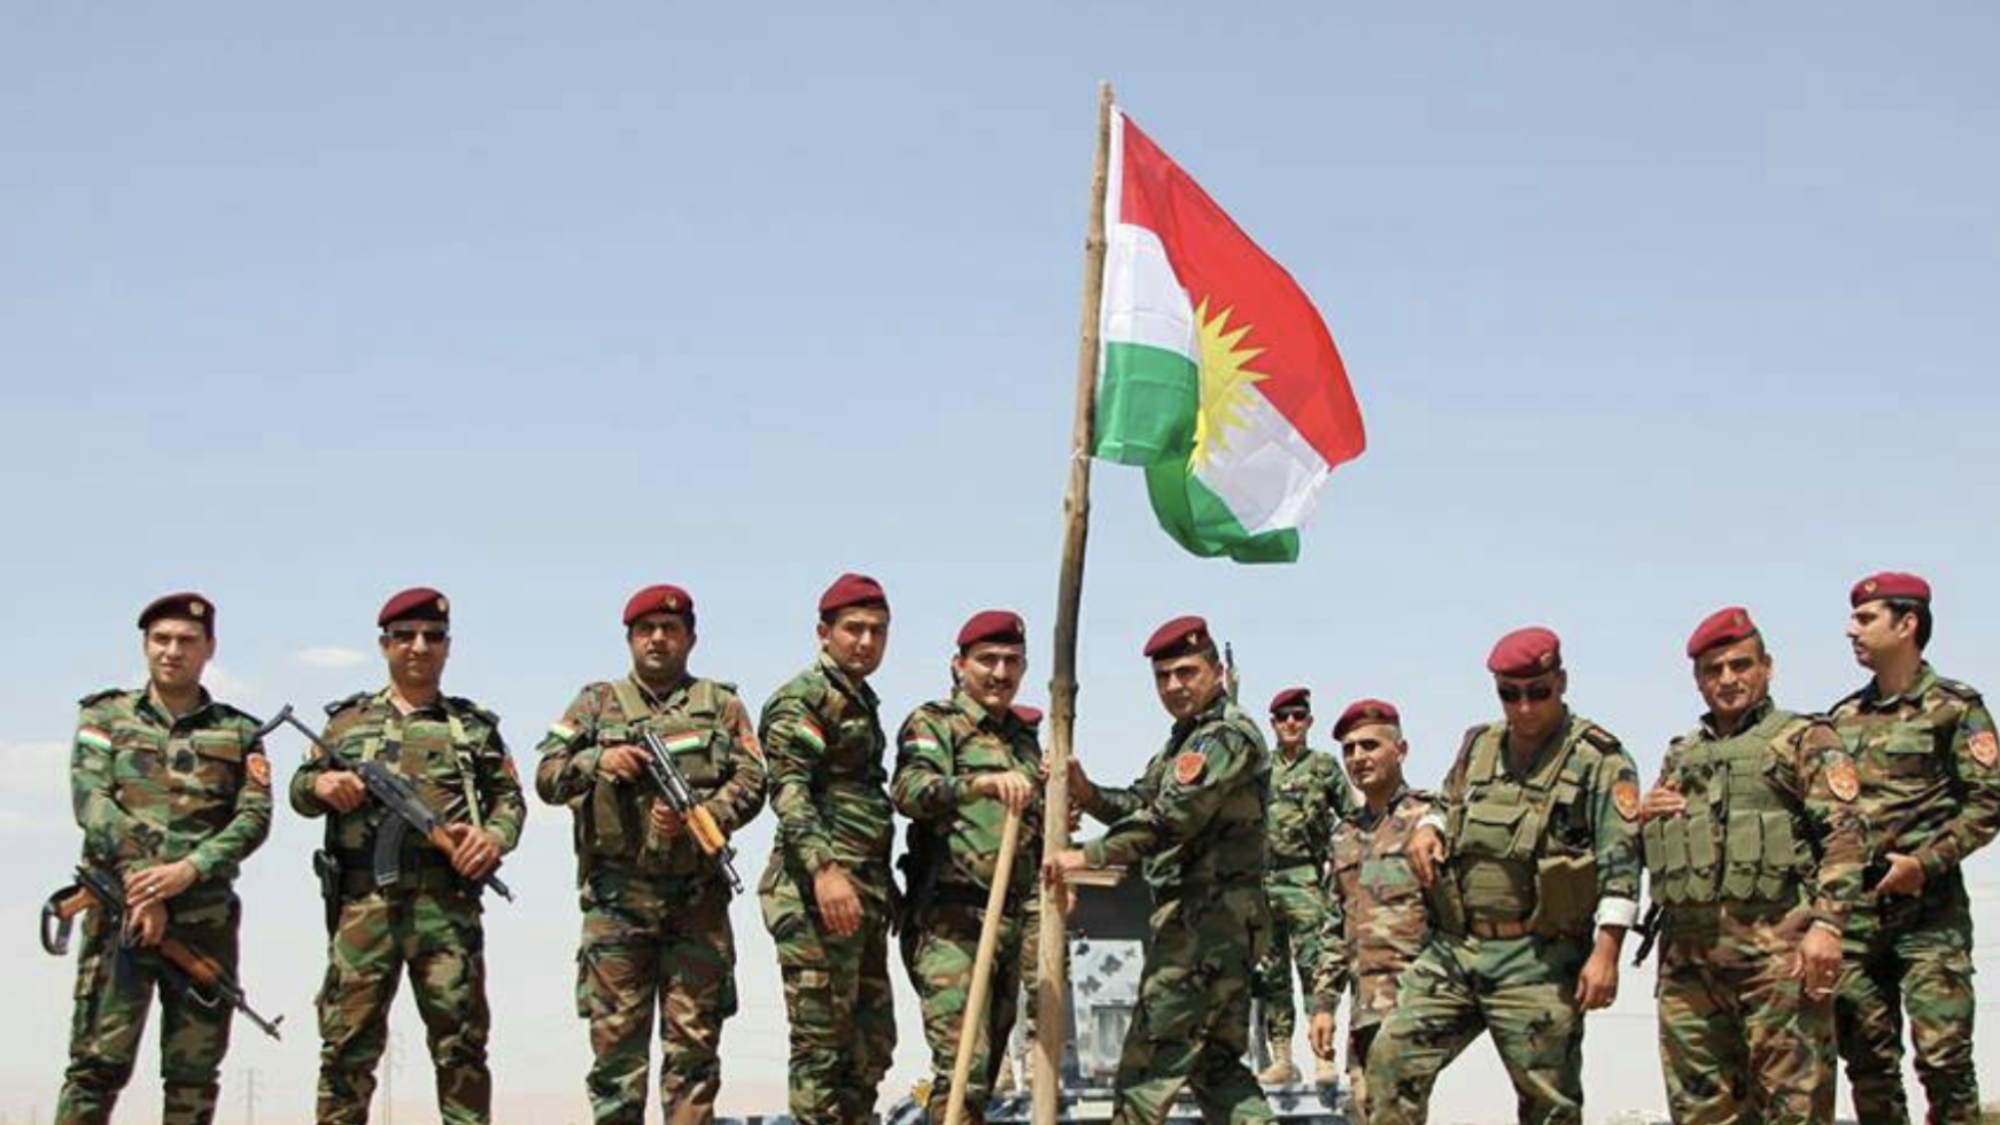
x: 203, y: 977
x: 674, y: 789
x: 409, y: 811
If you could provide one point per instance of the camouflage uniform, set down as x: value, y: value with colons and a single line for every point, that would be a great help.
x: 429, y: 920
x: 1929, y: 788
x: 1375, y: 928
x: 825, y: 745
x: 151, y: 789
x: 1196, y: 817
x: 1767, y: 848
x: 655, y: 911
x: 1309, y: 798
x: 1538, y: 862
x: 954, y: 847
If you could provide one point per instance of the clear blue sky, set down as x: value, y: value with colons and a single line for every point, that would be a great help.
x: 1649, y: 311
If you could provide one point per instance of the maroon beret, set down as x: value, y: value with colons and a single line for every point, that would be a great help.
x: 1526, y: 652
x: 659, y: 599
x: 418, y: 603
x: 1723, y: 627
x: 999, y: 626
x: 187, y: 606
x: 1362, y: 712
x: 1291, y: 697
x: 1029, y: 715
x: 1178, y: 637
x: 1889, y: 584
x: 851, y: 590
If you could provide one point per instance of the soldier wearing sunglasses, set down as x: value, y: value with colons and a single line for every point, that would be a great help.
x: 1532, y: 867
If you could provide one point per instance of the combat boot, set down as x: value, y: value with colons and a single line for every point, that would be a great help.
x: 1004, y: 1083
x: 1325, y: 1073
x: 1281, y: 1072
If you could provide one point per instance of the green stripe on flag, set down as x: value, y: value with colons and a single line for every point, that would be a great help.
x: 1147, y: 398
x: 1199, y: 520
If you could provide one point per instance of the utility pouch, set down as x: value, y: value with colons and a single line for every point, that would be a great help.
x: 1565, y: 896
x: 326, y: 865
x: 1446, y: 902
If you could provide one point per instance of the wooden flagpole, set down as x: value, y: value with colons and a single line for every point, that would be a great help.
x: 1051, y: 990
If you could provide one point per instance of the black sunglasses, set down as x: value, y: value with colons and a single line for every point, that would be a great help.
x: 1537, y: 693
x: 409, y: 636
x: 1290, y: 716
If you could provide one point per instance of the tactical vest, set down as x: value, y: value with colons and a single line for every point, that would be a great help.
x: 1507, y: 828
x: 613, y: 820
x: 1738, y: 841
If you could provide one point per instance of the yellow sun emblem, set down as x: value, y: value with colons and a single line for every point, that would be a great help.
x: 1225, y: 382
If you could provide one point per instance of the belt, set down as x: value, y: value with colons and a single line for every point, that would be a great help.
x: 965, y: 894
x: 1491, y: 930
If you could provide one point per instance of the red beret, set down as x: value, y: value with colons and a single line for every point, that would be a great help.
x: 187, y: 606
x: 1723, y: 627
x: 1362, y: 712
x: 418, y: 603
x: 1000, y: 626
x: 1889, y: 584
x: 1178, y: 637
x: 659, y: 599
x: 1526, y: 652
x: 851, y: 590
x: 1291, y: 697
x: 1029, y: 715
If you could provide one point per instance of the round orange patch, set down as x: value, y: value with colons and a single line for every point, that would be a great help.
x: 1625, y: 795
x: 1841, y: 778
x: 260, y: 771
x: 1985, y: 748
x: 1188, y: 765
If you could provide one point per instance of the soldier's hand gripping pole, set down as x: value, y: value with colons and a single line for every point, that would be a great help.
x: 393, y: 792
x: 982, y: 970
x: 674, y: 789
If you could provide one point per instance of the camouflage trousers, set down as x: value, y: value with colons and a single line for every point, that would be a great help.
x: 650, y: 942
x: 1191, y: 1025
x: 1298, y: 925
x: 1916, y: 957
x: 1522, y: 990
x: 1359, y: 1040
x: 114, y: 990
x: 837, y: 999
x: 940, y: 966
x: 437, y: 936
x: 1743, y: 1042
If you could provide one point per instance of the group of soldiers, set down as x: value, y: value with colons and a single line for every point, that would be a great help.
x: 1805, y: 872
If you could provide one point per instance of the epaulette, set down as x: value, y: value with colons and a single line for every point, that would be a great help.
x: 232, y: 711
x: 727, y: 687
x: 1851, y: 697
x: 1603, y: 739
x: 482, y: 714
x: 1957, y: 690
x: 339, y: 705
x: 97, y: 697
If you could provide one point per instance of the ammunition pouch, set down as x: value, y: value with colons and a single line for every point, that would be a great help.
x: 326, y: 867
x: 1565, y: 896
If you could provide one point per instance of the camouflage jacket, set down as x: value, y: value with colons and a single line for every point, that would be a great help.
x: 1309, y: 798
x: 451, y: 751
x: 706, y: 729
x: 1803, y: 759
x: 824, y: 743
x: 941, y: 750
x: 151, y: 789
x: 1196, y: 816
x: 1930, y: 769
x: 1378, y: 923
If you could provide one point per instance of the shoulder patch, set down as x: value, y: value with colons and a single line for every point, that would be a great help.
x: 1625, y: 797
x: 1188, y: 765
x: 1958, y: 690
x: 1843, y: 780
x: 97, y: 697
x: 1985, y: 748
x: 259, y: 768
x: 339, y: 705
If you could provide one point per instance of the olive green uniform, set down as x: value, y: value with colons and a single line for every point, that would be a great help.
x: 1310, y: 797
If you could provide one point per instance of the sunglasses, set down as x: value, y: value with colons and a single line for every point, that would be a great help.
x: 1534, y: 693
x: 1290, y: 716
x: 409, y: 636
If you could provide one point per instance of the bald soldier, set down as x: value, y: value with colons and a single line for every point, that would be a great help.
x: 1309, y: 798
x: 1377, y: 924
x: 426, y: 922
x: 173, y: 791
x: 1755, y: 849
x: 1930, y: 788
x: 1195, y: 819
x: 1532, y: 862
x: 962, y: 764
x: 655, y: 907
x: 827, y: 894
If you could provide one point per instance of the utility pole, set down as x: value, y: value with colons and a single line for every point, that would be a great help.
x: 249, y: 1095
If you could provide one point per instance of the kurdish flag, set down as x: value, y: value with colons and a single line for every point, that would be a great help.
x: 1214, y: 372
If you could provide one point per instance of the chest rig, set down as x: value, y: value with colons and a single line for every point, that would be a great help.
x: 1738, y: 841
x: 1522, y: 851
x: 613, y: 819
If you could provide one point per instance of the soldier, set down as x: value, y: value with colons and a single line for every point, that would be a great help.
x: 1755, y: 852
x: 962, y: 763
x: 1377, y: 924
x: 655, y: 907
x: 1196, y: 819
x: 172, y: 791
x: 1309, y: 798
x: 1930, y: 789
x: 428, y: 919
x: 827, y: 894
x: 1536, y: 818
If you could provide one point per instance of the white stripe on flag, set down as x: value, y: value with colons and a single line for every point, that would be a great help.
x: 1269, y: 474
